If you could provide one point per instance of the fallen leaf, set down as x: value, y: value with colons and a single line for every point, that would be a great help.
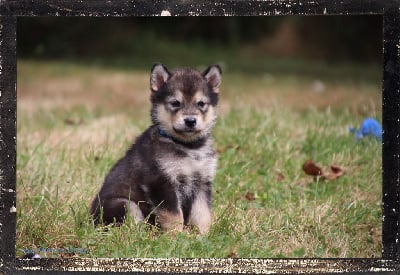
x: 233, y: 253
x: 336, y: 172
x: 250, y: 196
x: 280, y: 177
x: 336, y: 169
x: 310, y: 168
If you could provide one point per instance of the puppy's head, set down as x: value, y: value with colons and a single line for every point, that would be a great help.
x: 185, y: 101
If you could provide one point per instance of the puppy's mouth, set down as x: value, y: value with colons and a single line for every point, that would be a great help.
x: 186, y: 130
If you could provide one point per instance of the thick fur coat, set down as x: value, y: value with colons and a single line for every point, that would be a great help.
x: 165, y: 178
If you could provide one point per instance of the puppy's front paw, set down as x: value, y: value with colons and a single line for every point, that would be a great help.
x: 170, y: 221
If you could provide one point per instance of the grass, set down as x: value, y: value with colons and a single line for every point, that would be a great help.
x: 75, y: 121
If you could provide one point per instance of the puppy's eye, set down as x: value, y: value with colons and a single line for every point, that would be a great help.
x: 175, y: 104
x: 201, y: 104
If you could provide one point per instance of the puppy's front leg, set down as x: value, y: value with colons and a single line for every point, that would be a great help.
x: 200, y: 214
x: 170, y: 220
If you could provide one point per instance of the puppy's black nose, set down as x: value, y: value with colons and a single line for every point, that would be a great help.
x: 190, y: 122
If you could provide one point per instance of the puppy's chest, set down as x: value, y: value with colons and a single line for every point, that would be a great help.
x: 189, y: 167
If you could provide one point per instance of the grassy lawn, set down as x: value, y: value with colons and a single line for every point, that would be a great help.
x: 75, y: 121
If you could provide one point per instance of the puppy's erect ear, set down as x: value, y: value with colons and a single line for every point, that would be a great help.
x: 213, y: 76
x: 159, y: 76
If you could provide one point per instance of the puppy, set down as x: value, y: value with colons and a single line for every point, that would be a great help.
x: 165, y: 177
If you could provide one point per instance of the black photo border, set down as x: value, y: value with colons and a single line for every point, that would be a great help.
x: 390, y: 11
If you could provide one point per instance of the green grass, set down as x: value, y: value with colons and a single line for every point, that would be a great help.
x: 75, y: 122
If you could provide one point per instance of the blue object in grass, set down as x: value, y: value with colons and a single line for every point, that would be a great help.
x: 369, y: 127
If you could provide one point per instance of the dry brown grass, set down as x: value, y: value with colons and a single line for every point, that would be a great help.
x: 77, y: 86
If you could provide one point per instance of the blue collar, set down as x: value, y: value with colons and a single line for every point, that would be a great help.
x: 174, y: 139
x: 164, y: 134
x: 194, y: 143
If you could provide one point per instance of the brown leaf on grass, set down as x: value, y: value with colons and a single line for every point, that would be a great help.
x: 336, y: 172
x: 336, y: 169
x: 250, y: 196
x: 233, y: 253
x: 310, y: 168
x: 280, y: 177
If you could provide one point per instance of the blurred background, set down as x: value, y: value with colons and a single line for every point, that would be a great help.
x: 134, y: 42
x: 318, y: 58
